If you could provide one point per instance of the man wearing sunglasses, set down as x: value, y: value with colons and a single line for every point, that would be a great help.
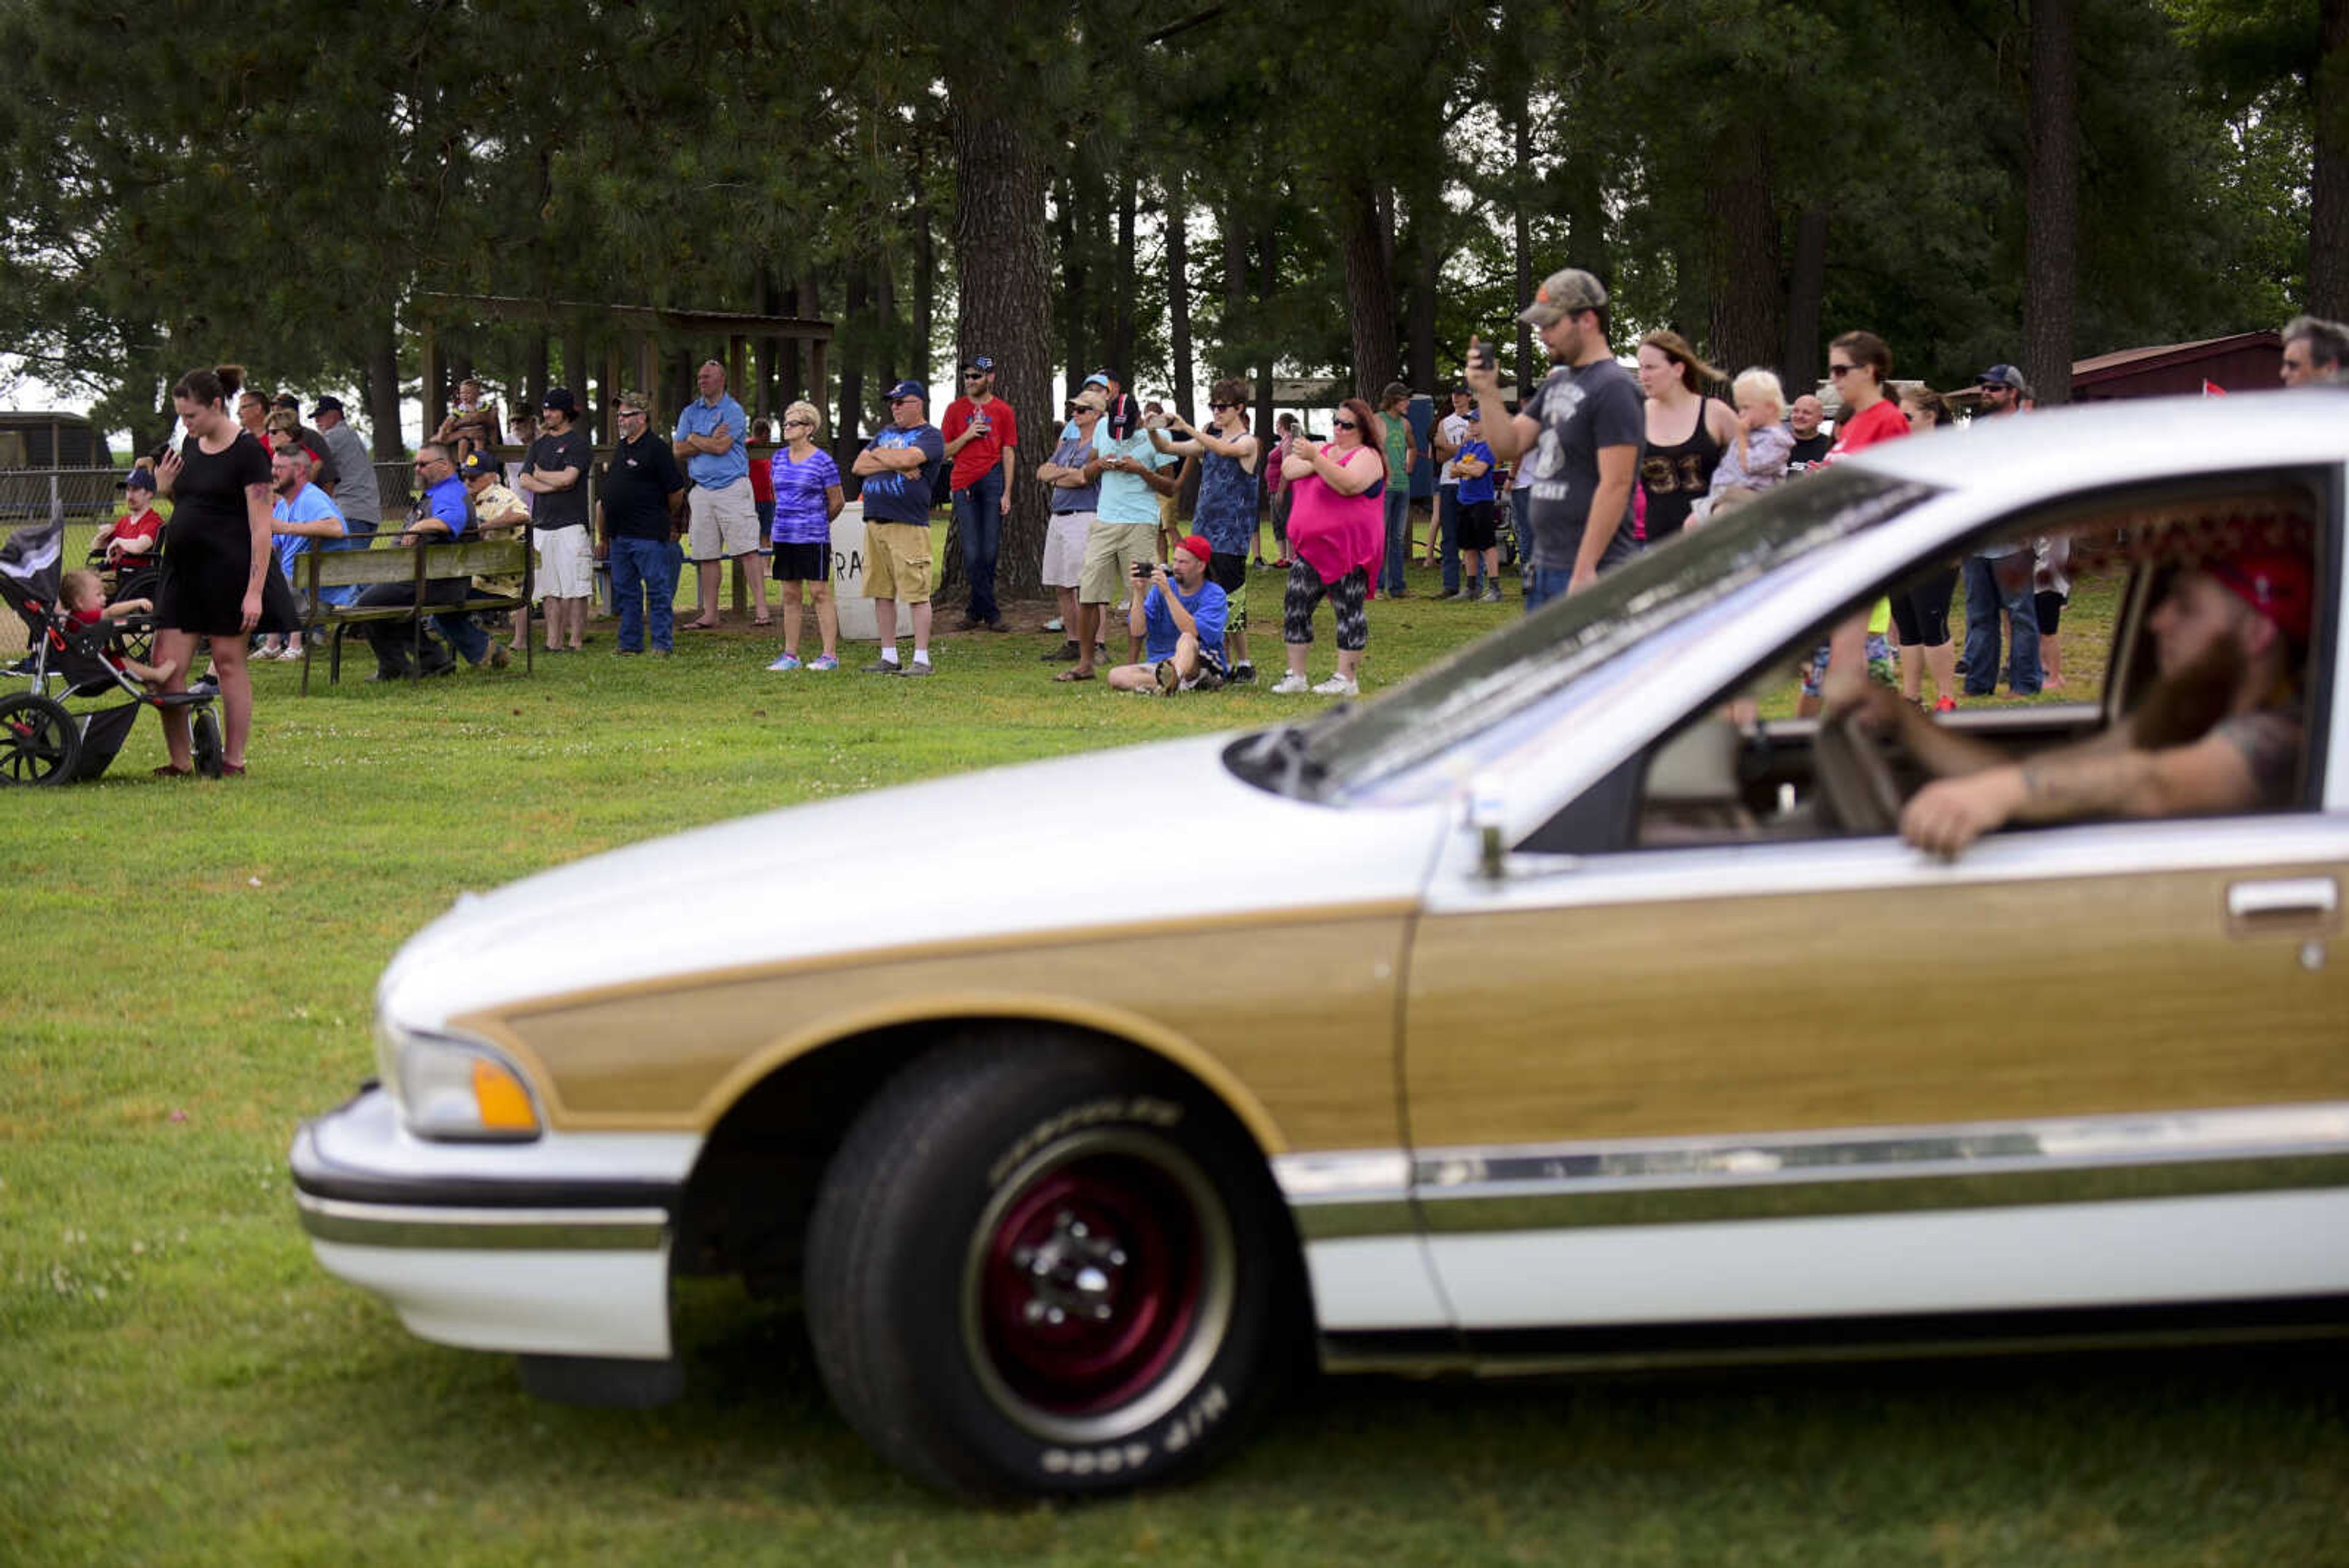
x: 980, y: 431
x: 899, y: 467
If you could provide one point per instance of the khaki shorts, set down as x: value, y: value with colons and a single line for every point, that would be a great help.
x: 1110, y: 551
x: 725, y: 521
x: 1064, y: 549
x: 897, y: 562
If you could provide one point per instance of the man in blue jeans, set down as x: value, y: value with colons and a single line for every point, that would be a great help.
x: 981, y: 433
x: 444, y: 513
x: 1401, y: 457
x: 1999, y: 579
x: 637, y: 510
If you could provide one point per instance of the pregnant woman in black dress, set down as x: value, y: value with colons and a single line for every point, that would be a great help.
x: 215, y: 559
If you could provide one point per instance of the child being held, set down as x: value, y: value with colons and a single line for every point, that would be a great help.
x: 84, y: 597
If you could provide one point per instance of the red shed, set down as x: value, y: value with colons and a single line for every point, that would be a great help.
x: 2245, y: 362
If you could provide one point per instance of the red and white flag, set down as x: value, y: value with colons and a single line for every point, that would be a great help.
x: 2212, y: 388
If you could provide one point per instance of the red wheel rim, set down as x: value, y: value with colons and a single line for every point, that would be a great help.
x: 1090, y: 1283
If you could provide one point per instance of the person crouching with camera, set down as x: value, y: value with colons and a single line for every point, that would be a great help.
x: 1178, y: 614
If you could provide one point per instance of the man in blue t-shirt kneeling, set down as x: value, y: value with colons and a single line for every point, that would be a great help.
x: 1180, y: 620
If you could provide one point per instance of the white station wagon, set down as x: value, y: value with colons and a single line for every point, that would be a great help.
x: 1542, y: 1013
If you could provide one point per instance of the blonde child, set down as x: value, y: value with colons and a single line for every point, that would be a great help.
x: 84, y: 597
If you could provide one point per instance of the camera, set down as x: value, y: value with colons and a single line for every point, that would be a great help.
x: 1141, y: 571
x: 1482, y: 357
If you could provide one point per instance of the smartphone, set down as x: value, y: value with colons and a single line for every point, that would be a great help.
x: 1481, y: 356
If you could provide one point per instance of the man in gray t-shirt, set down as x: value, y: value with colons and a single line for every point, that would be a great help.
x: 1578, y: 438
x: 355, y: 495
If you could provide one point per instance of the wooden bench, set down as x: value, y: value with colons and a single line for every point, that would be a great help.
x: 417, y: 566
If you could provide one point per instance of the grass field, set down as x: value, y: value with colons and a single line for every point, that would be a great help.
x: 188, y: 973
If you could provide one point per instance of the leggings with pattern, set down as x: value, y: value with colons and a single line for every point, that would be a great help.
x: 1346, y: 595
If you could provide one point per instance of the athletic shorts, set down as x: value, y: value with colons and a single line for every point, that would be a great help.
x: 566, y: 564
x: 1064, y: 549
x: 802, y: 563
x: 897, y: 562
x: 1111, y: 550
x: 725, y: 521
x: 1473, y: 527
x: 1230, y: 573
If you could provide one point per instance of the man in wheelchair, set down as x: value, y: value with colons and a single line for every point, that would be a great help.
x: 2220, y: 730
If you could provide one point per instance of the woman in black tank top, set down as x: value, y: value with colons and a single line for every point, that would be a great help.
x: 1686, y: 433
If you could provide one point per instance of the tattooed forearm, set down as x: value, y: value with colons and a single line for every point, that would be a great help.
x: 2057, y: 789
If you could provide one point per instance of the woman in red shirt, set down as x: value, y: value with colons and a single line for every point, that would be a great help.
x: 1859, y: 364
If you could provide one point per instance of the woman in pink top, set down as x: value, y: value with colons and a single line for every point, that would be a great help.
x: 1337, y: 536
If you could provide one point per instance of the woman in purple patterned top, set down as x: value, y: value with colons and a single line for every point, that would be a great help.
x: 807, y: 498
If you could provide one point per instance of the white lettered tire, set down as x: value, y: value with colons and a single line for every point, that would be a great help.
x: 1044, y: 1265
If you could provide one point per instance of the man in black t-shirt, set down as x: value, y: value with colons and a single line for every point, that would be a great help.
x: 1805, y: 415
x: 554, y: 472
x: 1579, y: 433
x: 640, y: 497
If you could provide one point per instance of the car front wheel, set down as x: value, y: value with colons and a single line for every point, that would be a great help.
x: 1042, y: 1266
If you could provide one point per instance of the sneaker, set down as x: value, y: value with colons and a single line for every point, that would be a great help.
x: 498, y: 657
x: 1064, y: 654
x: 1167, y: 675
x: 969, y: 623
x: 289, y: 654
x: 1243, y: 674
x: 823, y: 661
x: 1491, y: 596
x: 1338, y: 686
x: 1054, y: 625
x: 1945, y: 705
x: 1449, y: 594
x: 998, y: 624
x: 1291, y: 686
x: 882, y: 667
x: 917, y: 668
x: 788, y: 661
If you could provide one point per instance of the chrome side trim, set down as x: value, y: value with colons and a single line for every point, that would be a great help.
x: 484, y: 1229
x: 1864, y: 1170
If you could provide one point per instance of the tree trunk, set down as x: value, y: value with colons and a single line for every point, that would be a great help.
x: 1075, y: 277
x: 1178, y: 299
x: 534, y: 388
x: 1267, y: 283
x: 1231, y: 361
x: 1530, y: 368
x: 1370, y: 292
x: 1743, y: 285
x: 1007, y: 310
x: 381, y: 387
x: 1121, y: 331
x: 848, y: 434
x: 1798, y: 367
x: 1427, y: 257
x: 2051, y: 201
x: 2328, y: 207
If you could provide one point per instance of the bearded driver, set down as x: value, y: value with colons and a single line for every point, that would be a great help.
x: 2219, y: 733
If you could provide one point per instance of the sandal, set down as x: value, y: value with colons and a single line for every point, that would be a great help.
x: 768, y: 622
x: 231, y: 770
x: 1075, y: 675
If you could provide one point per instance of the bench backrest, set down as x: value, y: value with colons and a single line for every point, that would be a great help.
x: 398, y: 563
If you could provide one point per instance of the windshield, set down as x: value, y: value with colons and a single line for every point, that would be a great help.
x: 1486, y: 683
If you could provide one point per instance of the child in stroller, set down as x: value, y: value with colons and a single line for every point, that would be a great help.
x: 84, y: 597
x: 42, y: 740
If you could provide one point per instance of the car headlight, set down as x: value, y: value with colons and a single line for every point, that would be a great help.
x: 451, y: 1088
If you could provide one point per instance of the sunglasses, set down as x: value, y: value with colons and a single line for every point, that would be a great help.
x: 1220, y: 408
x: 973, y: 375
x: 799, y: 424
x: 1841, y: 370
x: 1344, y: 424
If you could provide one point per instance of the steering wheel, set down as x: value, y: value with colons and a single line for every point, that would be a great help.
x: 1855, y: 777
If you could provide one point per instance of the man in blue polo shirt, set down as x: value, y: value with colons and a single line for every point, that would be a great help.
x: 445, y: 513
x: 724, y: 517
x: 900, y: 471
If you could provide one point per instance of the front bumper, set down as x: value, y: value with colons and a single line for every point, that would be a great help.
x: 558, y: 1247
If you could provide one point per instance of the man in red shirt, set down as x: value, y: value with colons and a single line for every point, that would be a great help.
x: 981, y: 432
x: 130, y: 539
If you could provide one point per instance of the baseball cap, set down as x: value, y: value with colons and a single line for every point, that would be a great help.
x: 560, y: 399
x: 2003, y: 376
x: 982, y: 363
x: 1105, y: 376
x: 2278, y: 587
x: 1197, y: 544
x: 1562, y: 293
x: 139, y: 479
x: 479, y: 464
x: 1091, y: 397
x: 907, y: 389
x: 1475, y: 413
x: 326, y: 403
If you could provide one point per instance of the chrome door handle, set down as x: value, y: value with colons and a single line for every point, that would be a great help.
x: 2318, y: 896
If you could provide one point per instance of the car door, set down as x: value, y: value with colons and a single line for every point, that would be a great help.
x: 1706, y: 1090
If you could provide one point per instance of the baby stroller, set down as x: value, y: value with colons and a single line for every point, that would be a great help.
x: 43, y: 740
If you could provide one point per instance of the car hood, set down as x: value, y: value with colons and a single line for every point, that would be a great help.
x: 1088, y: 841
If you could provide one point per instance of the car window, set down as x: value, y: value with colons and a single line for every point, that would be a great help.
x: 1758, y: 768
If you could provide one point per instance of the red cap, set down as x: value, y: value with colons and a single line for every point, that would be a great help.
x: 1197, y: 544
x: 2279, y: 587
